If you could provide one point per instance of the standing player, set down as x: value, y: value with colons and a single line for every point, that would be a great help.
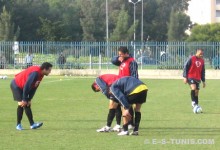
x: 128, y: 91
x: 127, y: 67
x: 103, y: 82
x: 23, y: 87
x: 193, y: 73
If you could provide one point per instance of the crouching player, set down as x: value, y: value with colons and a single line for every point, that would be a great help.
x: 128, y: 91
x: 23, y: 88
x: 103, y: 82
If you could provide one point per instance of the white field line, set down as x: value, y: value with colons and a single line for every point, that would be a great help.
x: 55, y: 81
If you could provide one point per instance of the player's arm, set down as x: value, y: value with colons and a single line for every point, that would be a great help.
x: 103, y: 86
x: 134, y: 69
x: 117, y: 93
x: 203, y: 76
x: 186, y: 69
x: 32, y: 92
x: 28, y: 85
x: 115, y: 61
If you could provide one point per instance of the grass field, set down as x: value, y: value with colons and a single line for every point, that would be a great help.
x: 72, y: 112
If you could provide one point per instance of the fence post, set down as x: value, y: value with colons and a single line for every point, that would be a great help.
x: 90, y: 61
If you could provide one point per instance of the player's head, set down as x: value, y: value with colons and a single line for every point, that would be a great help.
x: 95, y: 87
x: 46, y: 68
x: 123, y: 52
x: 199, y: 53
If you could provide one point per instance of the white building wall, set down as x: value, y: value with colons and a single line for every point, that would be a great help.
x: 200, y: 11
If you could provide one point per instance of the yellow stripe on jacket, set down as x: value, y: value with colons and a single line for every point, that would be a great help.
x: 138, y: 89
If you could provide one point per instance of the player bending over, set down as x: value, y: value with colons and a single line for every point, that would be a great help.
x: 128, y: 91
x: 23, y: 87
x: 103, y: 83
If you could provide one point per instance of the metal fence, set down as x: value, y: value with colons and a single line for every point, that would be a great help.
x: 97, y: 55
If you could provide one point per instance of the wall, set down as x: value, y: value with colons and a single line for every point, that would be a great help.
x: 150, y: 74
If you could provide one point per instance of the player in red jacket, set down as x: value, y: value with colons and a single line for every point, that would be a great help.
x: 127, y: 65
x: 23, y: 87
x: 194, y: 73
x: 103, y: 82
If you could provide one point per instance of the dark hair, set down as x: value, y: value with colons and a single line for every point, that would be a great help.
x: 123, y: 49
x: 46, y: 65
x: 199, y: 49
x: 93, y: 87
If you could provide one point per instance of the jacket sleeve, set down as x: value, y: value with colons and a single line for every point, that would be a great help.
x: 103, y: 86
x: 134, y: 69
x: 31, y: 93
x: 117, y: 93
x: 27, y: 87
x: 115, y: 61
x: 203, y: 74
x: 186, y: 68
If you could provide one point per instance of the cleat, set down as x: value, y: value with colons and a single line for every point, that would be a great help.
x: 36, y: 125
x: 117, y: 128
x: 123, y: 133
x: 134, y: 133
x: 104, y: 129
x: 193, y: 104
x: 130, y: 127
x: 19, y: 127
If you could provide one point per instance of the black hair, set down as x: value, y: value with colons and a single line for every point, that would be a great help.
x: 123, y: 49
x: 46, y: 65
x: 199, y: 49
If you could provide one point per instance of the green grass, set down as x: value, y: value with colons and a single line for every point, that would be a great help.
x: 71, y: 113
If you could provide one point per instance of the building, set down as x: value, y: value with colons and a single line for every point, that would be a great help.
x: 204, y: 11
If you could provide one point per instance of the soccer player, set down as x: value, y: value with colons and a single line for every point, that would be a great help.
x: 23, y: 87
x: 127, y: 67
x: 194, y: 73
x: 128, y: 91
x: 103, y: 82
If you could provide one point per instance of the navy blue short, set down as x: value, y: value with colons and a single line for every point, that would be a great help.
x: 16, y: 91
x: 193, y: 81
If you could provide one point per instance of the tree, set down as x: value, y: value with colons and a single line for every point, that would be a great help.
x: 179, y: 22
x: 7, y: 32
x: 122, y: 31
x: 162, y: 17
x: 207, y: 33
x: 25, y: 14
x: 92, y: 14
x: 49, y: 30
x: 6, y: 3
x: 76, y: 20
x: 62, y: 22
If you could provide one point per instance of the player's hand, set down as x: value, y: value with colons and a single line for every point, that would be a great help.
x: 23, y: 103
x: 127, y: 114
x: 120, y: 58
x: 185, y: 80
x: 37, y: 84
x: 204, y: 85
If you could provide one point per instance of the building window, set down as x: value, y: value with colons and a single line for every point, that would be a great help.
x: 217, y: 13
x: 217, y: 2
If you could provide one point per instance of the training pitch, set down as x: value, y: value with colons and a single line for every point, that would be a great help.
x: 71, y: 113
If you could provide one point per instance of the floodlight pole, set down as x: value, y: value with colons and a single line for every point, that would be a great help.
x: 107, y: 34
x: 134, y: 3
